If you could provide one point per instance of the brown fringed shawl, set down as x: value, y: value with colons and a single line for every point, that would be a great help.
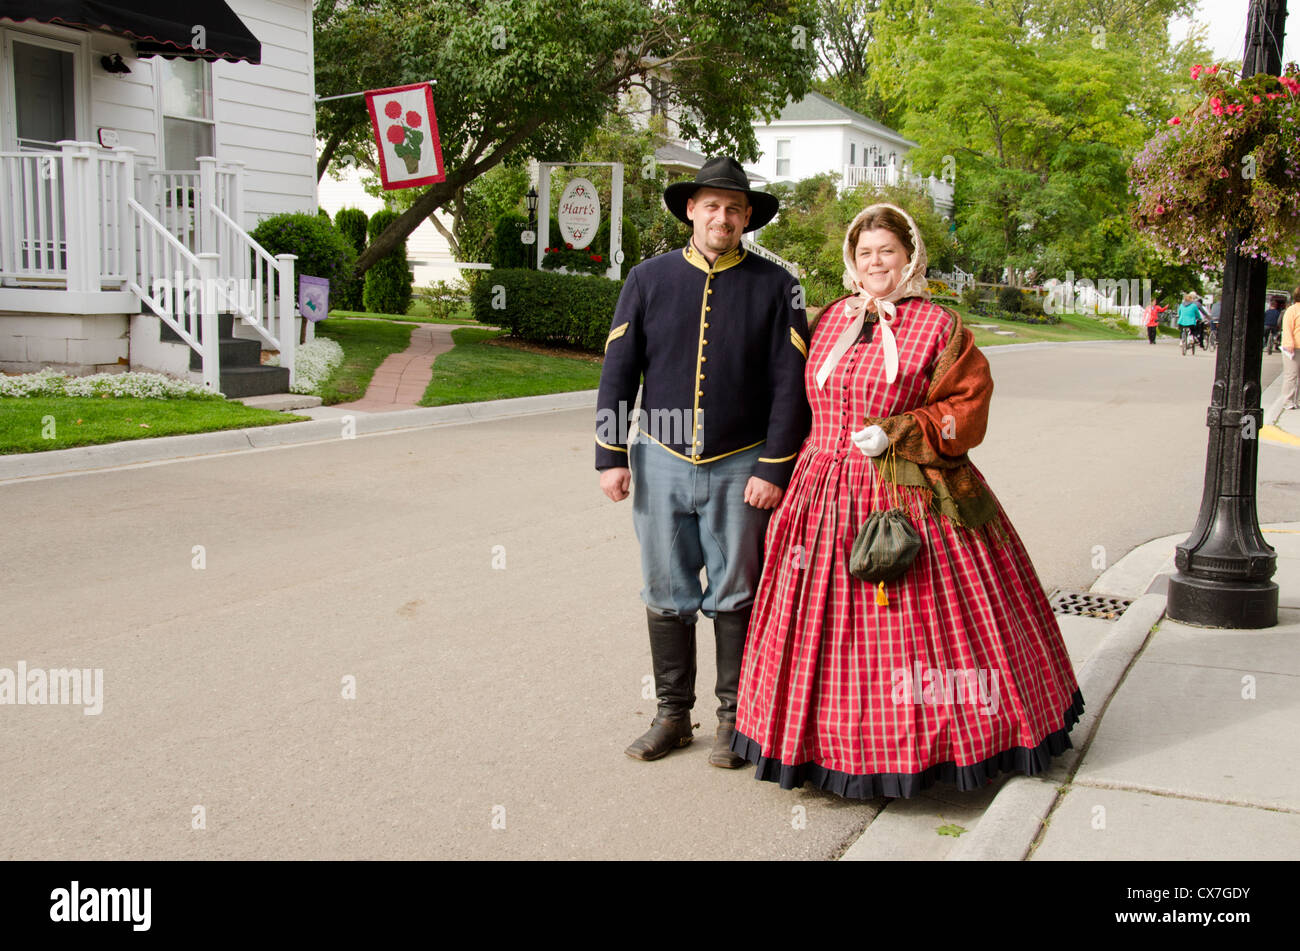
x: 931, y: 442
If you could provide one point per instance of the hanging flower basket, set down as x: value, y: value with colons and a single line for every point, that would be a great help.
x: 1232, y: 162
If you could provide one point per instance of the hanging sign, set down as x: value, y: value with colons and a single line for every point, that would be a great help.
x: 579, y: 213
x: 406, y: 135
x: 313, y: 297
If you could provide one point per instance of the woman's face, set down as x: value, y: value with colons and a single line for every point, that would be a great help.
x: 880, y: 259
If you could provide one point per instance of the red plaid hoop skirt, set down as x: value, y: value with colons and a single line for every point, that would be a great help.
x: 961, y: 676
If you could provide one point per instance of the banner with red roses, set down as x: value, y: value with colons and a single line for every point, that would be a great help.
x: 406, y: 134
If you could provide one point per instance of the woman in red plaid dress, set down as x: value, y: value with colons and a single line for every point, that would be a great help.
x: 955, y: 671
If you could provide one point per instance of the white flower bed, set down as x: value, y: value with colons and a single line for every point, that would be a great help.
x: 313, y: 362
x: 50, y: 382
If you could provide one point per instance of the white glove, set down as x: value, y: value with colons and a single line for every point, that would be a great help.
x: 872, y: 440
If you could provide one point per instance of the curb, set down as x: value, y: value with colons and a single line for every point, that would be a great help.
x: 197, y: 445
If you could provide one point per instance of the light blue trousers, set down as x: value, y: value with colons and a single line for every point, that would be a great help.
x: 690, y: 517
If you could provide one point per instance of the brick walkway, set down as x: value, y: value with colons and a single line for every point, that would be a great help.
x: 400, y: 381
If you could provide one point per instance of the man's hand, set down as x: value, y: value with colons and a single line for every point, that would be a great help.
x: 615, y: 483
x: 762, y: 494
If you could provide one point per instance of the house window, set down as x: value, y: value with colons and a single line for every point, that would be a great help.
x: 658, y: 101
x: 783, y: 157
x: 853, y: 153
x: 188, y: 129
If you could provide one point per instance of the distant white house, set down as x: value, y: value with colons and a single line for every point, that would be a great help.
x: 817, y: 135
x: 137, y: 149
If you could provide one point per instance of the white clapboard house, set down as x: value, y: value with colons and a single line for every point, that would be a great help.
x: 140, y: 141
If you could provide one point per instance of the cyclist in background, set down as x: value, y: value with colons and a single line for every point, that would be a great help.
x: 1189, y: 315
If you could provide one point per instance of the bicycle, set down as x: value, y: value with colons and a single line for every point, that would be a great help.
x: 1187, y: 338
x: 1273, y: 340
x: 1213, y: 338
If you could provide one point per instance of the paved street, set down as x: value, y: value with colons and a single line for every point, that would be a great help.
x: 483, y: 593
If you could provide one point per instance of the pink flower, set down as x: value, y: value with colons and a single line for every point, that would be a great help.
x: 413, y: 119
x: 1213, y: 70
x: 1197, y: 70
x: 396, y: 134
x: 392, y: 110
x: 1160, y: 209
x: 1256, y: 98
x: 1223, y: 173
x: 1175, y: 121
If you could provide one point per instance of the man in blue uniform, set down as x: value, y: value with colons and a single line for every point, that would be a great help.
x: 717, y: 338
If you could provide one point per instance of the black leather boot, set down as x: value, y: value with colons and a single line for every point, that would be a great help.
x: 729, y: 629
x: 672, y: 654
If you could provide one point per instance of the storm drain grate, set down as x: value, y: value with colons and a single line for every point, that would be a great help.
x: 1082, y: 604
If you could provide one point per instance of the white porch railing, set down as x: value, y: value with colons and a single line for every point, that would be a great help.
x: 66, y: 217
x: 762, y: 252
x: 72, y: 222
x: 940, y: 190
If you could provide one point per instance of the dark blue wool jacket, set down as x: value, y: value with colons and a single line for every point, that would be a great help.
x: 721, y: 350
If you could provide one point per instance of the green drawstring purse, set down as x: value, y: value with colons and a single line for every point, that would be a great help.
x: 886, y: 545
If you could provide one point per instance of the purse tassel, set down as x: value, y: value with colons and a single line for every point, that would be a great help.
x: 882, y: 599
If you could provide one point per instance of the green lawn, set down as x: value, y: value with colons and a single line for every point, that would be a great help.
x: 365, y: 344
x: 418, y: 314
x: 26, y: 422
x: 475, y: 370
x: 1071, y: 327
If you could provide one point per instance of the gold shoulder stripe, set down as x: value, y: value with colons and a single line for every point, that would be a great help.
x: 798, y: 342
x: 618, y: 332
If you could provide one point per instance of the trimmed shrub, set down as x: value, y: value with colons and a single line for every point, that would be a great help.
x: 321, y: 250
x: 548, y: 308
x: 507, y: 250
x: 388, y: 282
x: 321, y: 212
x: 1010, y: 300
x: 351, y: 223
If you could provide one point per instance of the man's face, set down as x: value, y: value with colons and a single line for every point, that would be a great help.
x: 718, y: 217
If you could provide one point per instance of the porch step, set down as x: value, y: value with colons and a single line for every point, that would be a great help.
x: 225, y: 328
x: 238, y: 382
x: 235, y: 352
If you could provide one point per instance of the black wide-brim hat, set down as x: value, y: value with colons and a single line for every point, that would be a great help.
x: 727, y: 174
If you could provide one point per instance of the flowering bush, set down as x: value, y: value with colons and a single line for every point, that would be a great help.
x: 1232, y: 162
x: 574, y: 259
x: 50, y: 382
x: 313, y: 362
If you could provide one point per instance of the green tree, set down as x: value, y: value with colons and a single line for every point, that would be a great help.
x: 814, y: 217
x: 535, y: 77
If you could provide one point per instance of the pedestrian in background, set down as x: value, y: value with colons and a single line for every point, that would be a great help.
x: 1272, y: 317
x: 1289, y: 398
x: 1154, y: 310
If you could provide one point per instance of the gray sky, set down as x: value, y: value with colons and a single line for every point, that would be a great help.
x: 1226, y: 20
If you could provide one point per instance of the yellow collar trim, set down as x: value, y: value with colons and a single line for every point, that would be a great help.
x: 724, y: 261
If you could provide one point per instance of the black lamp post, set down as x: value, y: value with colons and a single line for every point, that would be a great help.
x: 1225, y: 565
x: 531, y: 201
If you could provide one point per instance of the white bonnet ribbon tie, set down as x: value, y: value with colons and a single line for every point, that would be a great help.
x: 857, y: 306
